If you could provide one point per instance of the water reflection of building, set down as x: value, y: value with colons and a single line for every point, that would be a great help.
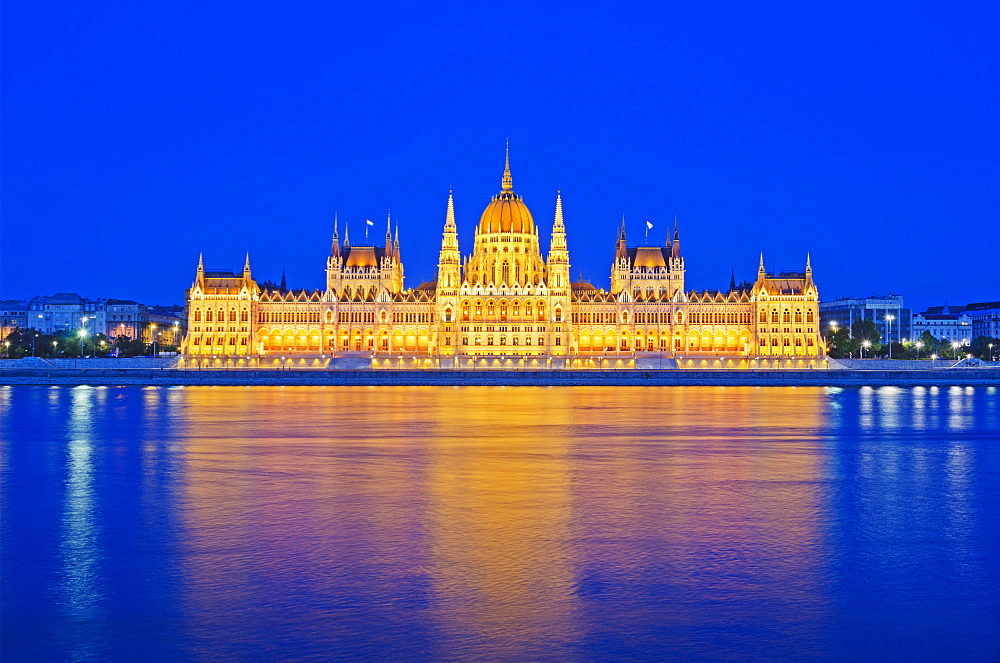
x: 501, y: 533
x: 505, y: 304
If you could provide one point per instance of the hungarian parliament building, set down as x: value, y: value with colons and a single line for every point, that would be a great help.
x: 502, y: 306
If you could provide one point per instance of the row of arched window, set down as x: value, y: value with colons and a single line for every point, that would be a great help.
x: 209, y: 315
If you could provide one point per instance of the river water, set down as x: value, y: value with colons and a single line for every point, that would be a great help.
x: 500, y: 524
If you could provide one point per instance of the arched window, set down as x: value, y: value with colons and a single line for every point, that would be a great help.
x: 527, y: 308
x: 558, y: 315
x: 505, y: 272
x: 774, y: 315
x: 491, y: 307
x: 197, y: 315
x: 787, y: 317
x: 798, y: 315
x: 763, y: 316
x: 809, y: 315
x: 208, y: 316
x: 244, y: 315
x: 489, y: 340
x: 517, y: 309
x: 503, y: 310
x: 465, y: 310
x: 232, y: 315
x: 479, y: 308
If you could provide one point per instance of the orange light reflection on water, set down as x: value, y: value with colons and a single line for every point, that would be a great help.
x: 507, y: 515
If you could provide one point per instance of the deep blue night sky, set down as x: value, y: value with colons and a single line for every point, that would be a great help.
x: 136, y: 136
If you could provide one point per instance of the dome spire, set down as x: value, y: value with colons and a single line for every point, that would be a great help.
x: 507, y: 184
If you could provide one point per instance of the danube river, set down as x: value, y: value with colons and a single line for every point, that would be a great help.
x: 500, y: 524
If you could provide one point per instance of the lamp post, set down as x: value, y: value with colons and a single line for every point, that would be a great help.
x: 919, y: 345
x: 955, y: 346
x: 152, y: 338
x: 865, y: 344
x: 33, y: 343
x: 55, y: 344
x: 6, y: 345
x: 889, y: 318
x: 83, y: 341
x: 989, y: 345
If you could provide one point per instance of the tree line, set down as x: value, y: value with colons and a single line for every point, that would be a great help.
x: 68, y: 343
x: 863, y: 340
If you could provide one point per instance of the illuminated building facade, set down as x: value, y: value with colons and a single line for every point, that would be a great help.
x: 505, y: 305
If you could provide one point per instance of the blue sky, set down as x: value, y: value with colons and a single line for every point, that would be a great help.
x: 137, y: 135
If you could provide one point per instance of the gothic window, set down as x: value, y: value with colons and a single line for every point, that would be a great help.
x: 505, y: 272
x: 197, y: 315
x: 558, y: 340
x: 798, y: 315
x: 232, y: 315
x: 517, y: 309
x: 479, y: 340
x: 489, y: 340
x: 447, y: 316
x: 465, y: 340
x: 514, y: 341
x: 479, y: 308
x: 541, y: 340
x: 527, y: 340
x: 558, y: 315
x: 527, y: 308
x: 465, y: 310
x: 774, y: 315
x: 809, y: 316
x: 208, y: 316
x: 787, y: 317
x: 503, y: 310
x: 763, y: 316
x: 503, y: 340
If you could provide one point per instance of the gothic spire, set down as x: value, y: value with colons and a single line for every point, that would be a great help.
x: 507, y: 184
x: 246, y: 265
x: 388, y: 231
x: 335, y: 244
x: 675, y: 246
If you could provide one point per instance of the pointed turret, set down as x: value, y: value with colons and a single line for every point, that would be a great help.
x: 388, y: 232
x: 246, y: 267
x: 347, y: 236
x: 558, y: 263
x: 449, y: 259
x: 507, y: 183
x: 675, y: 246
x: 809, y: 269
x: 335, y: 244
x: 395, y: 244
x: 620, y: 246
x: 760, y: 268
x: 732, y: 280
x: 284, y: 283
x: 201, y: 264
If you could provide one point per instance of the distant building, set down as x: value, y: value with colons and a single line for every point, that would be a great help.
x: 945, y: 322
x: 886, y: 311
x: 68, y: 311
x: 65, y: 311
x: 960, y: 323
x: 13, y: 316
x: 985, y: 319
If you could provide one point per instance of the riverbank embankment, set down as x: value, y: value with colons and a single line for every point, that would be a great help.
x: 961, y: 377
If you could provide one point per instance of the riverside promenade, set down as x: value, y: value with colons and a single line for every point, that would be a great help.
x: 164, y: 375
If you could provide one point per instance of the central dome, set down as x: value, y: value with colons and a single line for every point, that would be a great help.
x: 507, y: 213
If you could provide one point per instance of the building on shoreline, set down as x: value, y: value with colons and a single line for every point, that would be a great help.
x: 505, y: 304
x: 891, y: 318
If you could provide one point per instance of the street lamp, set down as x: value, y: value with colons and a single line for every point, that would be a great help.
x: 83, y: 341
x: 865, y: 344
x: 152, y: 338
x: 989, y: 345
x: 955, y: 345
x: 33, y: 343
x: 6, y: 345
x: 919, y: 345
x: 54, y: 344
x: 889, y: 318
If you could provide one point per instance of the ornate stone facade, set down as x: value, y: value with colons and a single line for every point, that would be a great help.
x: 504, y: 305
